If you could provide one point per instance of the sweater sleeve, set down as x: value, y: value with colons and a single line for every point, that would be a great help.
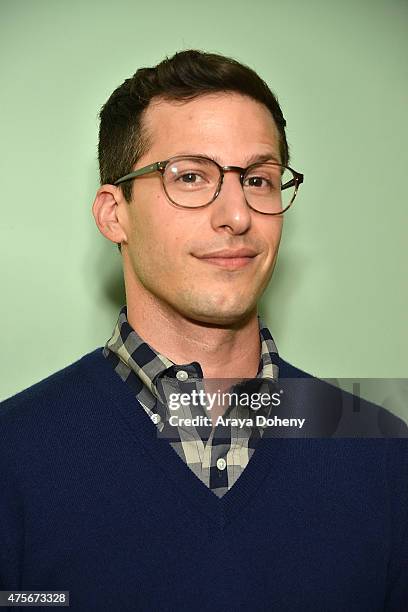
x: 397, y: 577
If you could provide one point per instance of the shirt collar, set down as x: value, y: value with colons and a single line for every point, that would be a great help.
x: 151, y: 366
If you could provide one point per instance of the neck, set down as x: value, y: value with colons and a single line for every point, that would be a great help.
x: 222, y: 351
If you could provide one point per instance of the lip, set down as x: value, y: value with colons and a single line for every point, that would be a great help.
x: 229, y: 259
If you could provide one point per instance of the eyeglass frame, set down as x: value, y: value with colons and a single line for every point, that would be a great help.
x: 160, y: 166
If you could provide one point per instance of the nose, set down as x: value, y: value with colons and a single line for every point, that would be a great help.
x: 230, y: 211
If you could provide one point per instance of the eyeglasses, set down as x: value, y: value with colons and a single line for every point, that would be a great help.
x: 195, y: 181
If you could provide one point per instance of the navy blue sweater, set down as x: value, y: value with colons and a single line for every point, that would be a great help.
x: 94, y: 502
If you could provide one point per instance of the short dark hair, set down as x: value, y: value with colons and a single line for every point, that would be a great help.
x: 184, y: 76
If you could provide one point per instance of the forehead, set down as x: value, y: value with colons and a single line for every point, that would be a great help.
x: 223, y: 124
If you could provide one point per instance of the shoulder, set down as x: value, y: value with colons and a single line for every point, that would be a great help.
x: 62, y: 387
x: 333, y: 411
x: 55, y: 416
x: 287, y: 370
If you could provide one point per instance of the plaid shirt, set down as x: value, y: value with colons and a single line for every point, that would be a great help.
x: 216, y: 456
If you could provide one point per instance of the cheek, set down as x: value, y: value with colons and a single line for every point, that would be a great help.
x: 271, y: 238
x: 155, y: 246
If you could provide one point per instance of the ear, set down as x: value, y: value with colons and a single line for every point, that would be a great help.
x: 107, y: 211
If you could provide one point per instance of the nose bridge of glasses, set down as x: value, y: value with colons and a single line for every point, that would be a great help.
x: 237, y: 169
x: 223, y: 170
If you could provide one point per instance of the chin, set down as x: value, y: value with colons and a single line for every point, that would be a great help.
x: 222, y: 315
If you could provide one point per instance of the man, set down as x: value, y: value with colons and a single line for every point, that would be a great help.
x: 119, y: 491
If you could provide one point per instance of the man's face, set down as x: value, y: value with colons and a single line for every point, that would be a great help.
x: 167, y: 248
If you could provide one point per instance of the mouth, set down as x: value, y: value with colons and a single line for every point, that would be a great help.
x: 229, y: 260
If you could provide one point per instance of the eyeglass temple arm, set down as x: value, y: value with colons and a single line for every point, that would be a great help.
x: 140, y: 172
x: 295, y: 182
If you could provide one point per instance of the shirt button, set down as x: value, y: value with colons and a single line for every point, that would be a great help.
x: 181, y: 375
x: 156, y: 418
x: 221, y: 464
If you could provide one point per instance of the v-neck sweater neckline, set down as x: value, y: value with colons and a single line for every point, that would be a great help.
x: 144, y: 432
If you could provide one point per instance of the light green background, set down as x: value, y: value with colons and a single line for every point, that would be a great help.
x: 337, y: 305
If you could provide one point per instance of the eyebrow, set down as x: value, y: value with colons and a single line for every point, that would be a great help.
x: 263, y: 158
x: 253, y: 158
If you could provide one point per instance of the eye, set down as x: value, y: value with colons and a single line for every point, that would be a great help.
x: 190, y: 178
x: 258, y: 182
